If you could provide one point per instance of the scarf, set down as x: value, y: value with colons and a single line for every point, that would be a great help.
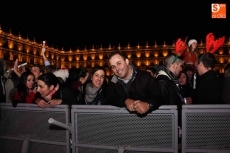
x: 49, y: 97
x: 169, y: 74
x: 90, y: 93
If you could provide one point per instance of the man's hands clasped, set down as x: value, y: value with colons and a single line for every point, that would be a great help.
x: 137, y: 105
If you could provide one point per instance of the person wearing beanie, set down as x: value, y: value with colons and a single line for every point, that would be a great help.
x: 190, y: 56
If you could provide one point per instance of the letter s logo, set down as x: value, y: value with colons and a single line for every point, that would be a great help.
x: 215, y: 8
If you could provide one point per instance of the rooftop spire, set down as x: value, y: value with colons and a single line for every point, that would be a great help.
x: 147, y: 44
x: 19, y: 36
x: 155, y: 45
x: 164, y: 44
x: 119, y: 46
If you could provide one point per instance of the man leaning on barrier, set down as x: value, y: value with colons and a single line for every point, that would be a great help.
x: 134, y: 89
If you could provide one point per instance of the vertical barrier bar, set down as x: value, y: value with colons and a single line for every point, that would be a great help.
x: 25, y: 146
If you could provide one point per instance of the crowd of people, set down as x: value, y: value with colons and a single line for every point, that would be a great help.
x: 185, y: 78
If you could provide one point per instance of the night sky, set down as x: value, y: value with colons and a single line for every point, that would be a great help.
x: 79, y: 23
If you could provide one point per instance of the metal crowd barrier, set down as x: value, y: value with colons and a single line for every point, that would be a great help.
x: 206, y: 128
x: 108, y: 129
x: 25, y: 129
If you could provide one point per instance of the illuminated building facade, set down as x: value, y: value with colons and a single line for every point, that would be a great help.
x: 13, y: 47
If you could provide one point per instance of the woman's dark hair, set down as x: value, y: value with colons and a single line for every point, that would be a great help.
x: 189, y: 67
x: 22, y: 88
x: 61, y: 82
x: 96, y: 69
x: 75, y: 74
x: 49, y: 79
x: 190, y: 49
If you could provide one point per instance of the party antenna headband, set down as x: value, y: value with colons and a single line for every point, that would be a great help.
x: 180, y: 47
x: 211, y: 44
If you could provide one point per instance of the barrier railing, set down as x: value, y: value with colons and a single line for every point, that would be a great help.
x: 25, y: 128
x: 111, y: 129
x: 206, y: 128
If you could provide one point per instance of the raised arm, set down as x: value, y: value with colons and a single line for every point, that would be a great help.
x: 16, y: 68
x: 46, y: 62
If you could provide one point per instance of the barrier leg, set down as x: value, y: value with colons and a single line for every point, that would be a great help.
x: 57, y: 123
x: 120, y: 150
x: 25, y: 146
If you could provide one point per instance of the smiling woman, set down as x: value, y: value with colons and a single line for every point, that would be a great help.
x: 25, y: 91
x: 96, y: 87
